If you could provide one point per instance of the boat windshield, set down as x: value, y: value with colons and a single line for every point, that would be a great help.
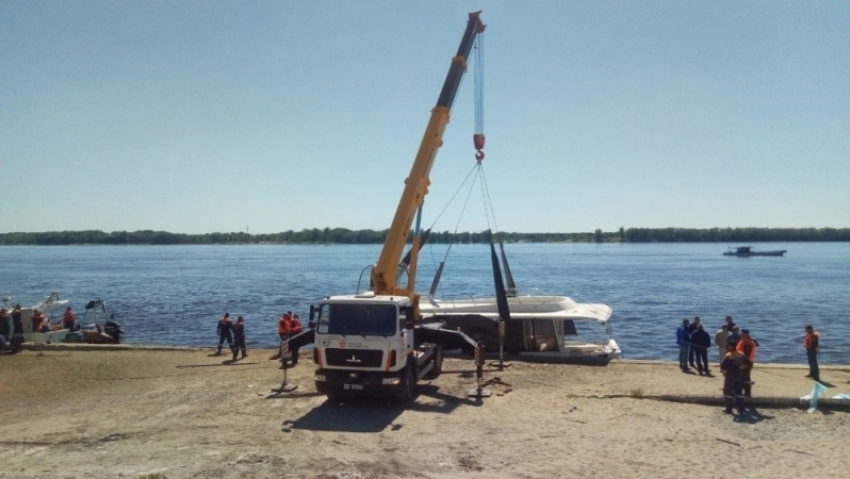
x: 362, y: 319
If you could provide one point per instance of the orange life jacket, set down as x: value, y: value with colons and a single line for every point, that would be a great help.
x: 743, y: 344
x: 810, y: 338
x: 283, y: 325
x: 69, y: 316
x: 295, y: 326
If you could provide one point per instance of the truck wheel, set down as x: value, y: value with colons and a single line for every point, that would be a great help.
x: 408, y: 384
x: 435, y: 372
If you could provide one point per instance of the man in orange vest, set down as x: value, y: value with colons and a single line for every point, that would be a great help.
x: 812, y: 345
x: 283, y: 327
x: 747, y: 346
x: 295, y: 326
x: 68, y: 319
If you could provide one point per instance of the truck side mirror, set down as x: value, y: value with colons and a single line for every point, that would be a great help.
x: 312, y: 316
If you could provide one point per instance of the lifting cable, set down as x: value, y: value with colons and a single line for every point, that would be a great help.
x: 478, y: 136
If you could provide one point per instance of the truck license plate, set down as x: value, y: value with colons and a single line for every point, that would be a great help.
x: 354, y: 387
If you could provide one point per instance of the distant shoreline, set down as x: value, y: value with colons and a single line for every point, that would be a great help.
x: 345, y: 236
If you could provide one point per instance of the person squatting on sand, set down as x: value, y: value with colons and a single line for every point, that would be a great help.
x: 683, y: 340
x: 812, y: 345
x: 239, y: 338
x: 225, y: 331
x: 733, y: 366
x: 692, y: 350
x: 747, y: 346
x: 700, y: 342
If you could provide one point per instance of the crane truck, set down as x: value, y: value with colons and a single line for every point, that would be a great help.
x: 372, y: 342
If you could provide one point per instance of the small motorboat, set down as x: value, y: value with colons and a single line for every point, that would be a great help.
x: 98, y: 326
x: 750, y: 251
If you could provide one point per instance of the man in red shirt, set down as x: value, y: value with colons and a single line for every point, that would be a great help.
x: 68, y: 319
x: 812, y: 345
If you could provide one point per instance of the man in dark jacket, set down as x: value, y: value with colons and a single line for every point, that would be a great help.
x: 5, y: 329
x: 700, y: 342
x: 691, y: 352
x: 239, y: 338
x: 734, y: 337
x: 683, y: 340
x: 18, y: 329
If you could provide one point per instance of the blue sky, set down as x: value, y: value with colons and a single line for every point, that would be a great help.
x: 203, y: 116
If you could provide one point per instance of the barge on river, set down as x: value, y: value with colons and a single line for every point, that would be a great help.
x: 746, y: 251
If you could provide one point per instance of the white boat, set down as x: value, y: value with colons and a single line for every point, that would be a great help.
x: 548, y: 326
x: 51, y: 306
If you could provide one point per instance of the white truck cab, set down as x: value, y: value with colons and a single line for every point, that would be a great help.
x: 365, y: 344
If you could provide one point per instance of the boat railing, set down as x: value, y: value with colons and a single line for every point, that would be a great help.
x: 476, y: 301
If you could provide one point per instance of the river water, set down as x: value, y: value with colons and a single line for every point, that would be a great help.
x: 173, y: 295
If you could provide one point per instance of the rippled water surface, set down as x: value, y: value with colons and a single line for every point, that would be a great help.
x: 174, y: 294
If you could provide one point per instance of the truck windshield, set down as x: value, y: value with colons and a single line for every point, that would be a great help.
x: 363, y: 319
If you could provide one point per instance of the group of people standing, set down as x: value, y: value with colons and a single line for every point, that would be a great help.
x: 737, y: 353
x: 288, y: 325
x: 736, y: 350
x: 234, y: 334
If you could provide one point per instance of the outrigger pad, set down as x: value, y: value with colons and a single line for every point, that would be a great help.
x: 285, y: 389
x: 480, y: 393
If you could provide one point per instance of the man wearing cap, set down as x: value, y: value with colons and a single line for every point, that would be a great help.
x: 733, y: 337
x: 747, y: 346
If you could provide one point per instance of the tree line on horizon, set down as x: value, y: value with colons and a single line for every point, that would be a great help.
x: 346, y: 236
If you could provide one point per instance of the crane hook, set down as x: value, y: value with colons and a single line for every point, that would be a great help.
x: 478, y: 141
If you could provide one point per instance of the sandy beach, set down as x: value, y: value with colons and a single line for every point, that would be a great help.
x: 181, y: 414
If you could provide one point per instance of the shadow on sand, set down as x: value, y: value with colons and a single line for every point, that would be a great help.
x: 369, y: 414
x: 751, y: 416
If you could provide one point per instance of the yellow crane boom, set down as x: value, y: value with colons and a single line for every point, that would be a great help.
x: 385, y: 274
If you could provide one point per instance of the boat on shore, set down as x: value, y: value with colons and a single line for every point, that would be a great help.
x: 51, y: 307
x: 95, y: 326
x: 746, y: 251
x: 542, y: 328
x: 553, y: 328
